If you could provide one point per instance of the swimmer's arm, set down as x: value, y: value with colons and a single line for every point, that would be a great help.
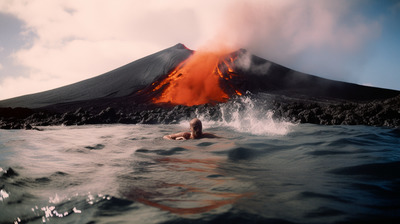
x: 178, y: 136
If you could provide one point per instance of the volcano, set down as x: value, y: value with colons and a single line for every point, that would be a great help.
x: 117, y: 83
x: 217, y: 75
x: 180, y: 76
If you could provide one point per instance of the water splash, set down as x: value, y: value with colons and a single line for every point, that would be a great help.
x: 248, y: 115
x: 63, y: 206
x: 3, y: 194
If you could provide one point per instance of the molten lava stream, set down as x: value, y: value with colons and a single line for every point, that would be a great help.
x: 195, y: 81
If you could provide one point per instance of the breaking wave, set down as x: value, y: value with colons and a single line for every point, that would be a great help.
x: 246, y: 114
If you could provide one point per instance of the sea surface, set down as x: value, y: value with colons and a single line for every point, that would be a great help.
x: 259, y: 171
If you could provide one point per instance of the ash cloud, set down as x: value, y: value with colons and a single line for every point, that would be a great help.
x: 325, y: 38
x: 244, y: 62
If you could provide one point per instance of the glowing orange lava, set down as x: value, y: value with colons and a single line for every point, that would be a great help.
x: 197, y: 80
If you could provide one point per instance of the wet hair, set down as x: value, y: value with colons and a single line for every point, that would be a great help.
x: 196, y: 125
x: 195, y: 122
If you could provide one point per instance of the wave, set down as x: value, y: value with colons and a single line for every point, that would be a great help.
x: 248, y: 115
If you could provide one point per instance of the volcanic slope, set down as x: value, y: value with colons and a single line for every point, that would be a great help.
x: 116, y: 83
x: 133, y: 83
x: 258, y: 74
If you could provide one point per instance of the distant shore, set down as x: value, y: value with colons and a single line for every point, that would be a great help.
x: 383, y: 113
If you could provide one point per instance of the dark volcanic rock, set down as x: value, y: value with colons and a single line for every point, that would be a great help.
x: 374, y: 113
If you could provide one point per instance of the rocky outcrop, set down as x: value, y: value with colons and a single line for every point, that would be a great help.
x: 374, y: 113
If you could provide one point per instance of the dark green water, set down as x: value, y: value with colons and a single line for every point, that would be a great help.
x: 270, y: 173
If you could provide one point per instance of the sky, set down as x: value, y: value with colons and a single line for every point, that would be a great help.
x: 45, y: 44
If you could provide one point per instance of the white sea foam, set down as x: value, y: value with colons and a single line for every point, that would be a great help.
x: 3, y: 194
x: 243, y: 114
x: 56, y: 199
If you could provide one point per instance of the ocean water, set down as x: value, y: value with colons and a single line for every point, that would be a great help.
x: 259, y: 171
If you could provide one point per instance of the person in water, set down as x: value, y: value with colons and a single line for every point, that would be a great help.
x: 196, y: 132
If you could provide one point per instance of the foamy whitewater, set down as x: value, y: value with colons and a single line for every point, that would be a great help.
x: 259, y: 171
x: 242, y: 115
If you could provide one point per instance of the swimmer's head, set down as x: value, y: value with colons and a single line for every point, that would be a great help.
x: 196, y: 128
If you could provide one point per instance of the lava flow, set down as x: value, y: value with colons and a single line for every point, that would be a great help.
x: 197, y: 80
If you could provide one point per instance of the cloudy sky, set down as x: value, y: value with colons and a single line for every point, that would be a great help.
x: 46, y: 44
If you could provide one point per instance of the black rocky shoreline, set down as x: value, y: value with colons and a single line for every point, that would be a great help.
x: 382, y: 113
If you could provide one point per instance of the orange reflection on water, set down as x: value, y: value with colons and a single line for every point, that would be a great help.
x: 212, y: 204
x: 197, y: 195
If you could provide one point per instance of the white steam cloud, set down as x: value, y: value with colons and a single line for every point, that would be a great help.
x: 320, y: 37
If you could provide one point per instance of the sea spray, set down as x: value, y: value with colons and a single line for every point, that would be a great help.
x: 246, y: 114
x: 3, y: 194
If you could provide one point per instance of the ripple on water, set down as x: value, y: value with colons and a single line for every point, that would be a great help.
x: 205, y: 144
x: 95, y: 147
x: 163, y: 152
x: 241, y: 153
x: 389, y: 171
x: 317, y: 174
